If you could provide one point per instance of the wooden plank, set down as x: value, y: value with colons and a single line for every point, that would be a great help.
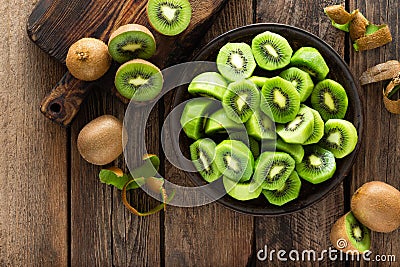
x: 209, y: 235
x: 308, y: 229
x: 380, y: 151
x: 33, y: 181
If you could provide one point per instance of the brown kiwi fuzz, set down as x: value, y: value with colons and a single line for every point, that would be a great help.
x: 358, y: 26
x: 376, y: 39
x: 338, y: 14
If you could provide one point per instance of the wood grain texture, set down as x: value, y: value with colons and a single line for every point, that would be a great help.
x: 307, y: 229
x: 379, y: 153
x: 33, y: 181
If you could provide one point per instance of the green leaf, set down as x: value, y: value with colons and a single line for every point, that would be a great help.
x: 110, y: 178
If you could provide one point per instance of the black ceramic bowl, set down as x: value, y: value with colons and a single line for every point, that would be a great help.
x: 339, y: 72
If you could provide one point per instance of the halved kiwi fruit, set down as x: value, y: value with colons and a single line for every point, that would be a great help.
x: 340, y: 137
x: 299, y: 129
x: 240, y: 100
x: 234, y: 160
x: 169, y: 17
x: 248, y: 141
x: 289, y: 191
x: 296, y: 151
x: 330, y: 99
x: 301, y: 80
x: 310, y: 60
x: 272, y: 169
x: 202, y: 153
x: 218, y: 122
x: 271, y: 50
x: 260, y: 126
x: 235, y: 61
x: 318, y: 131
x: 241, y: 191
x: 281, y: 99
x: 139, y: 80
x: 194, y: 115
x: 131, y: 41
x: 258, y: 81
x: 317, y: 166
x: 349, y: 235
x: 209, y: 84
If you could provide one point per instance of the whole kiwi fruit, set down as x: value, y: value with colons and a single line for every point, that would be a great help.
x: 88, y: 59
x: 377, y: 206
x: 100, y: 141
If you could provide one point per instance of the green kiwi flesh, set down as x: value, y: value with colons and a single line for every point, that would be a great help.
x: 218, y: 122
x: 241, y: 191
x: 248, y: 141
x: 340, y: 137
x: 260, y: 126
x: 329, y: 98
x: 208, y: 84
x: 258, y: 81
x: 296, y: 151
x: 358, y: 234
x: 301, y: 80
x: 318, y: 131
x: 271, y: 50
x: 202, y: 153
x: 169, y: 17
x: 310, y: 60
x: 289, y: 191
x: 317, y: 166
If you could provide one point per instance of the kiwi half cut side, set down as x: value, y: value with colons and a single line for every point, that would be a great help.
x: 218, y: 122
x: 241, y: 191
x: 131, y: 41
x: 258, y: 81
x: 235, y: 61
x: 281, y: 99
x: 202, y: 153
x: 330, y: 99
x: 289, y: 191
x: 301, y: 80
x: 310, y: 60
x: 241, y: 100
x: 260, y: 126
x: 234, y: 160
x: 271, y: 50
x: 317, y: 166
x: 340, y: 137
x: 318, y: 131
x: 139, y: 80
x: 208, y: 84
x: 169, y: 17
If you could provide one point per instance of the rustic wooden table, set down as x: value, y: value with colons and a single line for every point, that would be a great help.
x: 55, y: 212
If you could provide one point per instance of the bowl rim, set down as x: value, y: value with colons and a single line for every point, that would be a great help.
x: 237, y: 33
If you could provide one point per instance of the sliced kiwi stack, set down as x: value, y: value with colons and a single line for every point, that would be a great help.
x: 169, y: 17
x: 301, y: 80
x: 218, y: 122
x: 240, y: 100
x: 260, y: 126
x: 317, y: 166
x: 289, y: 191
x: 248, y: 141
x: 208, y: 84
x: 235, y: 61
x: 131, y: 41
x: 310, y: 60
x: 330, y: 99
x: 139, y: 80
x: 202, y: 153
x: 271, y: 50
x: 340, y: 137
x: 318, y: 131
x: 258, y: 81
x: 241, y: 191
x: 281, y: 99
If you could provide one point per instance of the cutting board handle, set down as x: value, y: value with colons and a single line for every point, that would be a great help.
x: 63, y: 102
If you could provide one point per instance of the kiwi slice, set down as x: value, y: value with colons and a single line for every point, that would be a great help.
x: 310, y: 60
x: 218, y: 122
x: 317, y: 166
x: 260, y: 126
x: 139, y: 80
x: 234, y: 160
x: 301, y: 80
x: 330, y: 99
x: 248, y: 141
x: 194, y: 115
x: 271, y: 50
x: 235, y: 61
x: 202, y: 153
x: 340, y: 137
x: 298, y: 130
x: 209, y: 84
x: 240, y: 100
x: 272, y: 169
x: 131, y: 41
x: 318, y: 131
x: 296, y: 151
x: 281, y: 99
x: 169, y: 17
x: 258, y: 81
x: 289, y: 191
x: 241, y: 191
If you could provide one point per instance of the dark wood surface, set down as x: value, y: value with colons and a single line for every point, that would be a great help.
x: 55, y: 212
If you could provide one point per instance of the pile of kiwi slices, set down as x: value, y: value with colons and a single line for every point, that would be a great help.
x: 266, y: 135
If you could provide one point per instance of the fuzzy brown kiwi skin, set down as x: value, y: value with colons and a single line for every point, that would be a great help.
x: 338, y: 232
x: 358, y: 26
x: 338, y: 14
x: 100, y: 141
x: 377, y: 206
x: 88, y: 59
x: 129, y: 28
x: 138, y: 60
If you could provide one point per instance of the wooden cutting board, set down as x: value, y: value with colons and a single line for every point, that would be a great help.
x: 55, y: 25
